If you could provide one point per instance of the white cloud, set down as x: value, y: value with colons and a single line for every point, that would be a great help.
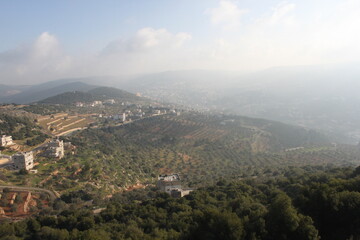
x: 39, y: 61
x: 147, y: 50
x: 227, y: 14
x: 281, y: 13
x: 147, y: 39
x: 284, y: 35
x: 45, y: 46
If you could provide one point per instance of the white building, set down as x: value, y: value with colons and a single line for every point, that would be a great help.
x: 23, y: 160
x: 123, y: 117
x: 167, y: 183
x: 179, y: 193
x: 55, y: 149
x: 171, y: 184
x: 109, y: 101
x: 174, y: 112
x: 96, y: 103
x: 79, y: 104
x: 6, y: 141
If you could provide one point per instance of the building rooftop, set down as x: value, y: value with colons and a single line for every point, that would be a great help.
x: 169, y: 178
x: 22, y: 153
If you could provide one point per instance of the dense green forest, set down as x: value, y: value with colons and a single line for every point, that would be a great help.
x: 305, y: 203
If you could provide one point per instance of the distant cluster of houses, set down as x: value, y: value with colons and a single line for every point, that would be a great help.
x: 96, y: 103
x: 138, y: 113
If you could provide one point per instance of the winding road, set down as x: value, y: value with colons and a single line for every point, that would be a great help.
x: 51, y: 193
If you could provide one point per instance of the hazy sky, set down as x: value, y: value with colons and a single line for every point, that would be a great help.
x: 46, y: 40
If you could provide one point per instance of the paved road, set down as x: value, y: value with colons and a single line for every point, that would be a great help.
x: 51, y: 193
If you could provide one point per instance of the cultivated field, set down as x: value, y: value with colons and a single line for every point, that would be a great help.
x: 62, y: 123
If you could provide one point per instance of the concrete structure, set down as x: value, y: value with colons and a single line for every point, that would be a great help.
x: 6, y: 141
x: 96, y: 103
x: 174, y: 112
x: 123, y: 117
x: 171, y: 184
x: 79, y: 104
x: 166, y: 183
x: 55, y: 149
x: 178, y: 193
x: 23, y: 160
x: 109, y: 101
x: 68, y: 145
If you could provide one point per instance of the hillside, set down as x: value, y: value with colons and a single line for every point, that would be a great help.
x: 7, y: 90
x: 22, y: 129
x: 202, y: 148
x: 320, y: 97
x: 99, y: 93
x: 45, y: 90
x: 303, y: 204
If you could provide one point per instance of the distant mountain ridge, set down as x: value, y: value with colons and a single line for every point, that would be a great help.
x: 8, y: 90
x: 323, y: 97
x: 98, y: 93
x: 38, y: 92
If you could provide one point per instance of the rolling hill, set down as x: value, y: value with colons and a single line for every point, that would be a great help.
x: 321, y: 97
x: 202, y: 148
x: 98, y: 93
x: 45, y: 90
x: 7, y: 90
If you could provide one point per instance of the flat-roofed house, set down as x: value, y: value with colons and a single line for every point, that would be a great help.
x: 6, y: 141
x: 168, y: 182
x: 23, y: 160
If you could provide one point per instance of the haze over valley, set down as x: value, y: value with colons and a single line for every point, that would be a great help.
x: 207, y: 119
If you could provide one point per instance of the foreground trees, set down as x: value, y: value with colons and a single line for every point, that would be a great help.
x: 303, y: 206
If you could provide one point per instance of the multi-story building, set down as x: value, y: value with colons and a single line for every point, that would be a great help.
x: 178, y: 193
x: 6, y: 141
x: 171, y: 184
x: 166, y: 183
x: 23, y: 160
x: 55, y: 149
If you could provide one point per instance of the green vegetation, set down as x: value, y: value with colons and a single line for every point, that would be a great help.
x: 308, y: 204
x: 202, y: 148
x: 255, y: 179
x: 198, y: 146
x: 21, y: 128
x: 45, y: 109
x: 100, y: 93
